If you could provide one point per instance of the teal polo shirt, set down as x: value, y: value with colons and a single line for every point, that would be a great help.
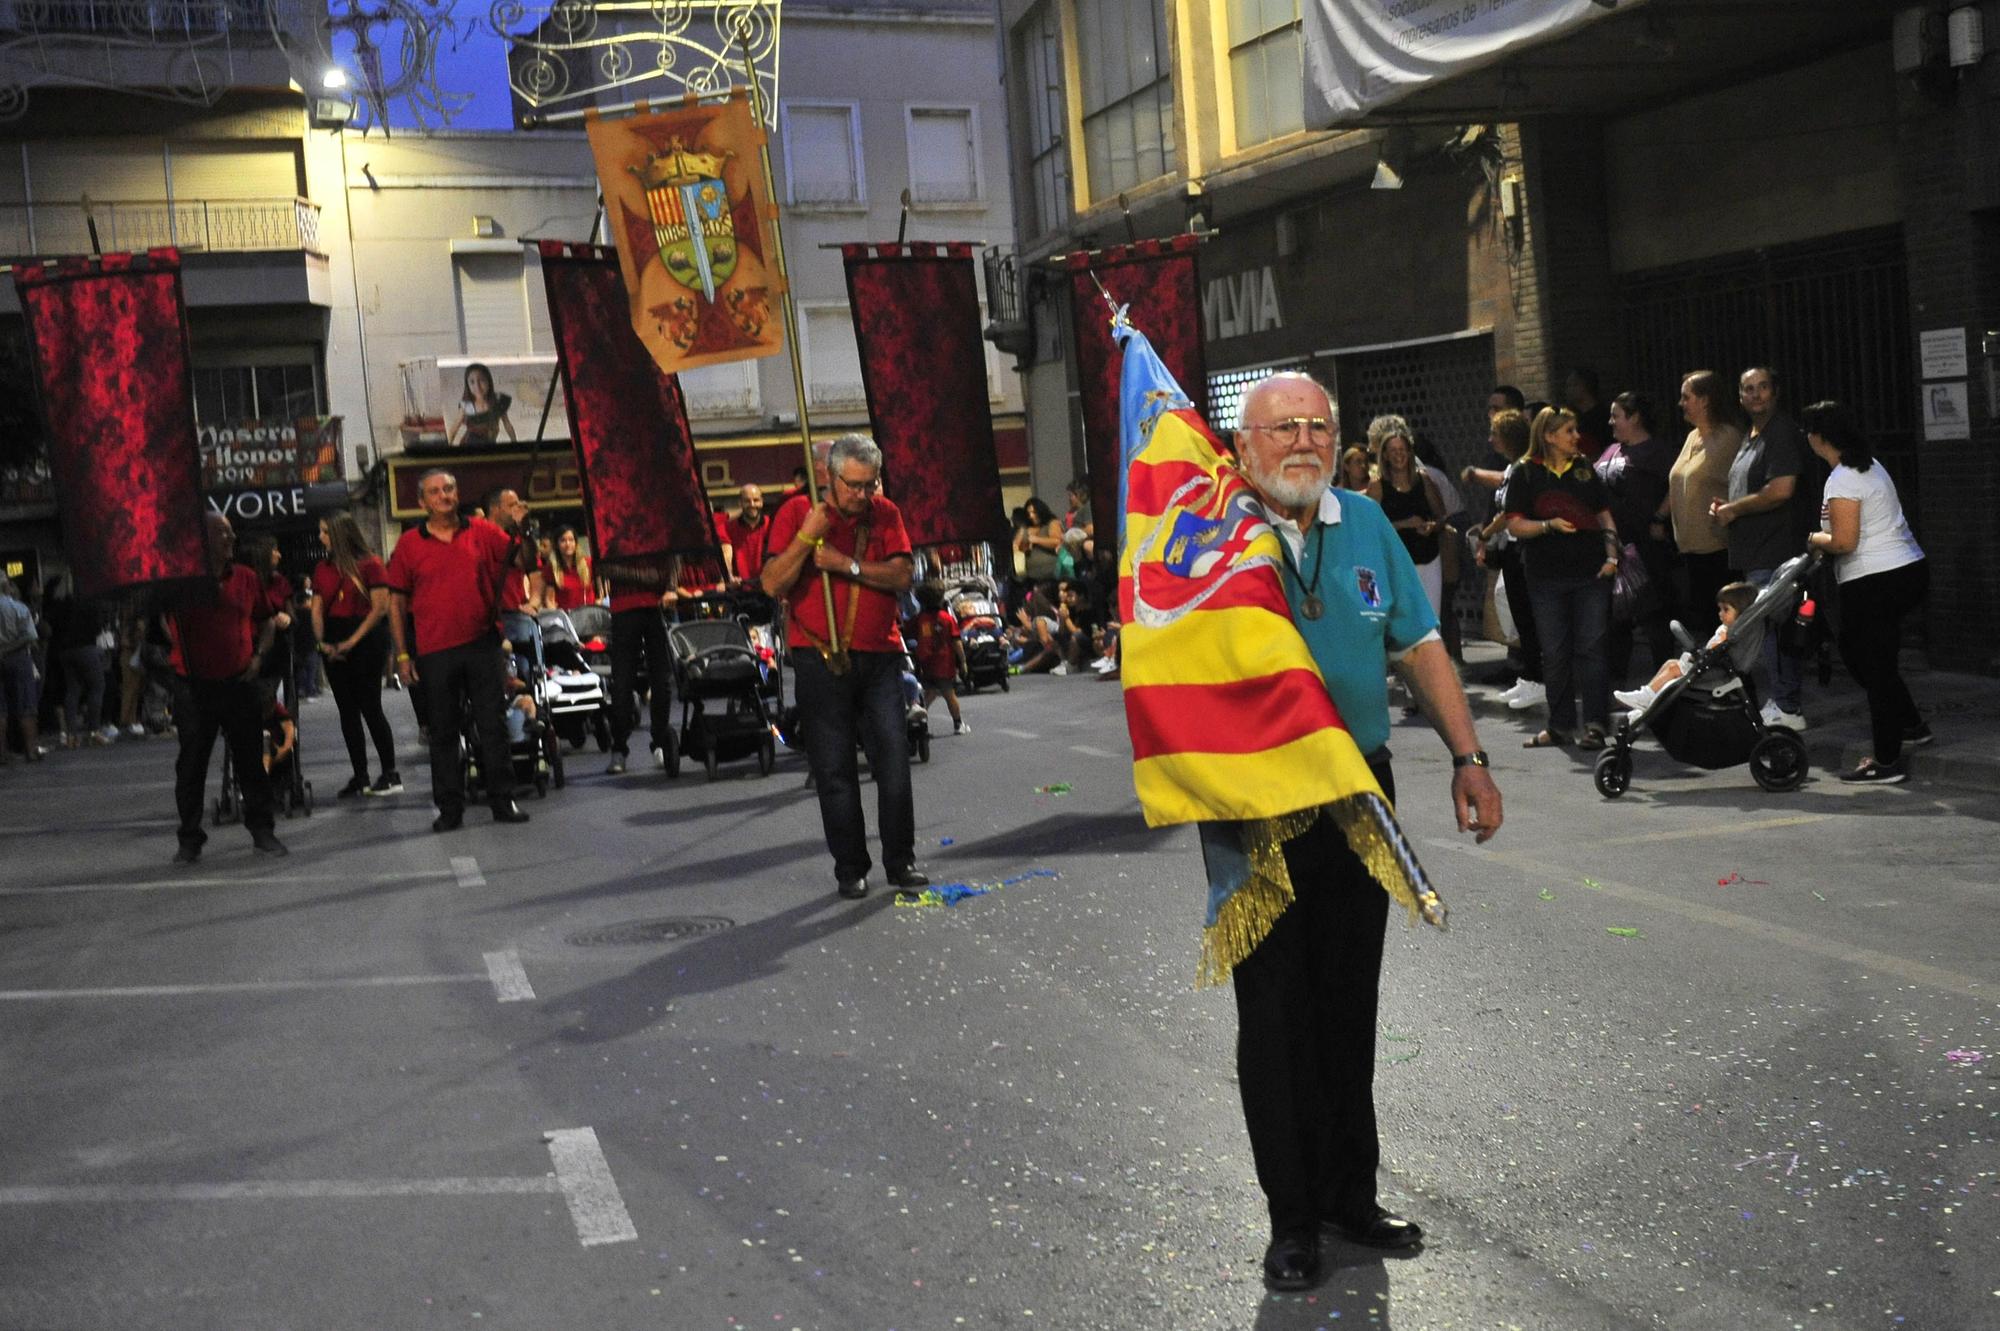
x: 1375, y: 609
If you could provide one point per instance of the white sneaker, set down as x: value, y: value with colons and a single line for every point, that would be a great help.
x: 1638, y: 699
x: 1636, y: 719
x: 1774, y: 715
x: 660, y: 759
x: 1062, y: 668
x: 135, y: 731
x: 108, y: 734
x: 1530, y: 694
x: 1507, y: 694
x: 962, y: 728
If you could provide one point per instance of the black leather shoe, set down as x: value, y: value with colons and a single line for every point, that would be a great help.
x: 187, y: 854
x: 1291, y: 1263
x: 268, y: 843
x: 853, y: 888
x: 1377, y: 1228
x: 448, y: 822
x: 908, y: 881
x: 509, y: 812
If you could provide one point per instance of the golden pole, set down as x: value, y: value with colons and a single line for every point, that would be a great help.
x: 836, y: 650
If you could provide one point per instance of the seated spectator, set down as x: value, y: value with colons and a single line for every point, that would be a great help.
x: 1039, y: 624
x: 1076, y: 626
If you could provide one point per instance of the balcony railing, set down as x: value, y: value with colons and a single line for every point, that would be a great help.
x: 216, y: 225
x: 140, y: 20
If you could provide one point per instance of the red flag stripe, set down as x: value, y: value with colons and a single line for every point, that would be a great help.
x: 1180, y: 718
x: 1257, y: 588
x: 1152, y: 484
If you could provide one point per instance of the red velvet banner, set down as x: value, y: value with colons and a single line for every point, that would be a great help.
x: 923, y: 362
x: 641, y: 483
x: 1156, y: 278
x: 110, y: 346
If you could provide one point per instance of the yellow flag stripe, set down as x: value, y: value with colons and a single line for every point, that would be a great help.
x: 1315, y: 770
x: 1207, y: 647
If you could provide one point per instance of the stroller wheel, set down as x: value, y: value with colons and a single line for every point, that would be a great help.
x: 1778, y: 763
x: 306, y: 798
x: 601, y: 728
x: 1614, y: 773
x: 1005, y: 687
x: 541, y: 787
x: 924, y: 745
x: 672, y: 749
x: 767, y: 756
x: 710, y: 761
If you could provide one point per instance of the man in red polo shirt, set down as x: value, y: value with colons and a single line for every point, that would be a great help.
x: 446, y: 576
x: 856, y: 536
x: 639, y: 596
x: 219, y: 642
x: 746, y: 534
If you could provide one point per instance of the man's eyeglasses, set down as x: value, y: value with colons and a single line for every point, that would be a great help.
x: 867, y: 487
x: 1287, y: 431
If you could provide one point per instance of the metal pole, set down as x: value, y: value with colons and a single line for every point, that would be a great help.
x: 836, y: 652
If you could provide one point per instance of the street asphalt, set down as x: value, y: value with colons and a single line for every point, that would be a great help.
x: 1704, y: 1057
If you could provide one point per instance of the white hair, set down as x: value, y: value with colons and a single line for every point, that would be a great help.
x: 854, y: 448
x: 1279, y: 377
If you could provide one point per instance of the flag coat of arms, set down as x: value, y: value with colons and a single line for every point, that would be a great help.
x: 1231, y: 722
x: 685, y: 199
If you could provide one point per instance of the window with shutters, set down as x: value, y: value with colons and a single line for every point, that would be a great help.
x: 944, y: 154
x: 1038, y: 55
x: 285, y: 389
x: 832, y: 360
x: 1266, y: 71
x: 728, y: 389
x: 823, y: 166
x: 1128, y: 93
x: 231, y: 171
x: 492, y: 304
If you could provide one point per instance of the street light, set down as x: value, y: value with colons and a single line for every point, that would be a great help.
x: 334, y: 79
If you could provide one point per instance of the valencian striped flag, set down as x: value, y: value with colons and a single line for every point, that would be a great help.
x: 1231, y: 722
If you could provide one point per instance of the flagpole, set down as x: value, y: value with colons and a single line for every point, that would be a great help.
x: 836, y: 650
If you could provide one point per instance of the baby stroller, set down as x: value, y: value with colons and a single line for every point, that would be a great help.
x: 716, y: 663
x: 593, y: 634
x: 537, y: 755
x: 291, y: 793
x: 1708, y: 718
x: 580, y: 706
x: 975, y: 603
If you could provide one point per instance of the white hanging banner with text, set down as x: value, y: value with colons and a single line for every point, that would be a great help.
x: 1362, y: 54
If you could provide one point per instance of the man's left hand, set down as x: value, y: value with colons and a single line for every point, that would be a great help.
x: 832, y: 560
x: 1476, y: 799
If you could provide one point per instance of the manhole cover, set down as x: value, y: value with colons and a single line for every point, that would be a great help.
x: 668, y: 930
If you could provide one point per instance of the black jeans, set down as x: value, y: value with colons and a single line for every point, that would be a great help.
x: 83, y: 689
x: 356, y: 681
x: 1871, y: 641
x: 233, y: 708
x: 865, y: 704
x: 468, y: 675
x: 1573, y: 615
x: 1514, y: 582
x: 640, y: 636
x: 1305, y: 1039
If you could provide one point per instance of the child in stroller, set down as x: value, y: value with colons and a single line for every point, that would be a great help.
x: 975, y: 604
x: 1730, y: 603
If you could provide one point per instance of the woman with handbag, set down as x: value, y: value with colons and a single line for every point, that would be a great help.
x: 350, y: 610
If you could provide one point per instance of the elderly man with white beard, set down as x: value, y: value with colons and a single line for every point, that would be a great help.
x: 1306, y: 997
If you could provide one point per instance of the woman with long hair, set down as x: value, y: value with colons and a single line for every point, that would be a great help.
x: 482, y: 411
x: 1039, y: 541
x: 570, y: 582
x: 1557, y: 507
x: 350, y: 612
x: 1354, y: 469
x: 263, y: 557
x: 1700, y: 475
x: 1634, y: 470
x: 1415, y: 509
x: 1882, y: 575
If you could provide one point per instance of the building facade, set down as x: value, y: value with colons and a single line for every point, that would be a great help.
x: 1672, y: 186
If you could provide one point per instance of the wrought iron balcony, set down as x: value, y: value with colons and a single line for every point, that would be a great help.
x: 1010, y: 325
x: 194, y: 225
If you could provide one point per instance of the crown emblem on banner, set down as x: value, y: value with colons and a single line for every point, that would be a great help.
x: 693, y: 221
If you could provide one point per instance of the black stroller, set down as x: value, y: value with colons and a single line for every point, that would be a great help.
x: 291, y: 793
x: 975, y: 603
x: 722, y: 684
x: 580, y: 702
x: 1708, y: 717
x: 536, y: 757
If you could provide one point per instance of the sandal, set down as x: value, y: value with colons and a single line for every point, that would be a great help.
x: 1593, y: 738
x: 1546, y: 739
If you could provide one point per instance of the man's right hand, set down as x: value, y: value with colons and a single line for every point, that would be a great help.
x: 818, y: 522
x: 406, y: 670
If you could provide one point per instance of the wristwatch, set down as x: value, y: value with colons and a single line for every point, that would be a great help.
x: 1477, y: 758
x: 853, y: 568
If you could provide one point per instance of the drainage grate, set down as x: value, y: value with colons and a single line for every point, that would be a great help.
x: 668, y: 930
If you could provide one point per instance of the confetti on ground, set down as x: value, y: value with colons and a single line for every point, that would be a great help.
x: 1735, y: 878
x: 1389, y: 1036
x: 1623, y: 933
x: 944, y: 841
x: 1964, y: 1056
x: 950, y: 894
x: 1818, y: 897
x: 1057, y: 788
x: 1546, y: 895
x: 1593, y: 884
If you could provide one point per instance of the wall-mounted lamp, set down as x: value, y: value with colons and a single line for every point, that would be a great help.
x: 333, y: 79
x: 332, y: 112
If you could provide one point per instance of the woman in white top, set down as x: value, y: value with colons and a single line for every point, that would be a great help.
x: 1882, y: 576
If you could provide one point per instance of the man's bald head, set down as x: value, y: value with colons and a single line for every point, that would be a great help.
x: 1298, y: 390
x: 219, y: 537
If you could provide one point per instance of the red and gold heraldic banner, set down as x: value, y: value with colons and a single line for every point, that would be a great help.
x: 109, y: 341
x: 1156, y: 279
x: 642, y: 486
x: 685, y: 199
x: 923, y: 363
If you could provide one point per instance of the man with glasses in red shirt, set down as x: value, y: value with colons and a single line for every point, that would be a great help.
x: 445, y: 575
x: 854, y: 692
x: 219, y: 644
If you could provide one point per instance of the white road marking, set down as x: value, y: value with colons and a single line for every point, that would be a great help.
x: 1866, y: 958
x: 587, y: 1185
x: 1716, y: 829
x: 239, y: 987
x: 1093, y: 752
x: 510, y: 982
x: 245, y: 880
x: 467, y: 869
x: 276, y: 1190
x: 36, y: 829
x: 1017, y: 734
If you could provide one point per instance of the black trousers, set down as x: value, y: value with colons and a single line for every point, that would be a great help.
x: 1305, y: 1043
x: 1514, y: 572
x: 356, y: 681
x: 639, y: 637
x: 233, y: 708
x: 469, y: 676
x: 1871, y: 641
x: 865, y: 705
x: 1706, y: 575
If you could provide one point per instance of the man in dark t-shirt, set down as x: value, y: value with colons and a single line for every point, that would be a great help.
x: 219, y: 642
x: 1764, y: 524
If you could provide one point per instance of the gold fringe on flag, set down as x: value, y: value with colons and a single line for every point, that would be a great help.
x: 1247, y: 917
